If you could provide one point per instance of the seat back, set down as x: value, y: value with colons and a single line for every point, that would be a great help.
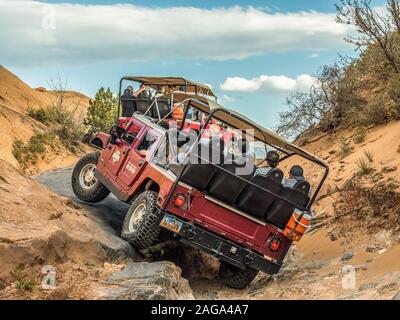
x: 143, y: 104
x: 255, y: 201
x: 281, y: 211
x: 128, y: 106
x: 227, y: 187
x: 199, y: 172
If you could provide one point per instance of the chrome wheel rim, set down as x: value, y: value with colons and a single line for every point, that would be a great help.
x: 87, y: 180
x: 136, y: 216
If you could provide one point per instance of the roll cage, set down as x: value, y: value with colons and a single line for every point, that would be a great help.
x: 165, y: 87
x: 237, y: 121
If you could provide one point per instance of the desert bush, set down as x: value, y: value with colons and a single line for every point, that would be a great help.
x: 22, y: 282
x: 363, y: 165
x: 375, y: 113
x: 63, y: 122
x: 28, y: 153
x: 68, y: 129
x: 360, y: 135
x: 42, y: 115
x: 369, y: 155
x: 345, y: 147
x: 18, y: 150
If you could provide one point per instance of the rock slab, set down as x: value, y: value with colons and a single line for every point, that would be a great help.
x: 146, y: 281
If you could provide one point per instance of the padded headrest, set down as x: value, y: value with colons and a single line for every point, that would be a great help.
x: 303, y: 186
x: 275, y: 174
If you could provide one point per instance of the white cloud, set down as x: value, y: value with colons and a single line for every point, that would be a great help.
x: 92, y: 33
x: 314, y: 55
x: 269, y: 84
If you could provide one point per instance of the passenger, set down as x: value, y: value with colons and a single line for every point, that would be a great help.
x: 295, y: 175
x: 128, y: 92
x: 273, y: 162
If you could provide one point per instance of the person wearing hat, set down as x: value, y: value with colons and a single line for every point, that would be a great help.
x: 273, y: 162
x: 296, y: 174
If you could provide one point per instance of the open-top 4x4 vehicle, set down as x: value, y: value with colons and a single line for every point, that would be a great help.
x: 202, y: 177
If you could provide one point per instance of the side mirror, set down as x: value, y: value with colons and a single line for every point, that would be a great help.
x: 116, y: 133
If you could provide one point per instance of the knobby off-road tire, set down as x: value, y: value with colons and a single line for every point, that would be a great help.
x: 85, y: 186
x: 141, y: 226
x: 234, y: 277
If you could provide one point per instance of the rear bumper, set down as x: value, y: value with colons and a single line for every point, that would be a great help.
x: 226, y: 250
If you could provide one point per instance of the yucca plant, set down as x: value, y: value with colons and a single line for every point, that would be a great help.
x: 369, y: 155
x: 363, y: 165
x: 345, y: 147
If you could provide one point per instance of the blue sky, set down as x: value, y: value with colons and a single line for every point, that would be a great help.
x: 253, y: 53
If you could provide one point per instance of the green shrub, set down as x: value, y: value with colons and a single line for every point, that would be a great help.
x: 25, y: 284
x: 28, y: 153
x: 42, y: 115
x: 18, y: 150
x: 345, y: 147
x: 21, y: 281
x: 64, y: 124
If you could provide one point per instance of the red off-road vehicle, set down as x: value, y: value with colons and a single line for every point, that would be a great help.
x: 205, y: 180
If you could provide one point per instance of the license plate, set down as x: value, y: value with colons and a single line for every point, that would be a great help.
x: 171, y: 224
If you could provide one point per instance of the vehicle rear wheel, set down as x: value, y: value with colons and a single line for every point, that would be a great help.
x: 141, y: 226
x: 234, y: 277
x: 84, y: 184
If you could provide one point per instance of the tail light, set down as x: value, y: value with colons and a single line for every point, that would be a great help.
x: 274, y: 243
x: 297, y: 225
x: 181, y: 201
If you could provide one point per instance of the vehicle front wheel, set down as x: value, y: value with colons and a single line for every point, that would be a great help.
x: 141, y: 226
x: 234, y: 277
x: 84, y: 184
